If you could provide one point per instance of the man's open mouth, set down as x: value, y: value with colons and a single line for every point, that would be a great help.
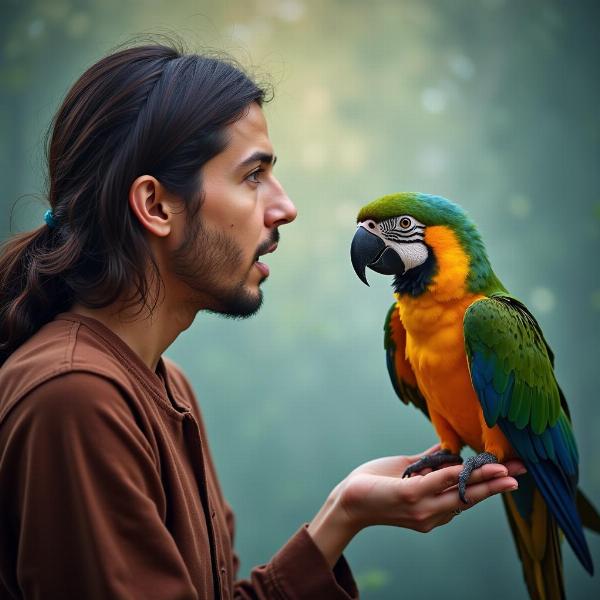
x: 269, y: 250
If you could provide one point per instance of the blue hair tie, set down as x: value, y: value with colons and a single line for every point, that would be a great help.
x: 49, y: 218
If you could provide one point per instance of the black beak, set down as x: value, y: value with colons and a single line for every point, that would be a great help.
x: 369, y: 250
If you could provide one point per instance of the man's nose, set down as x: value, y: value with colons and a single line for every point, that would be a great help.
x: 281, y: 209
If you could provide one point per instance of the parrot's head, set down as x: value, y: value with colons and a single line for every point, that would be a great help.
x: 427, y: 242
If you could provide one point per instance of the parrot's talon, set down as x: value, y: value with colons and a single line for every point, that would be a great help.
x: 433, y: 461
x: 472, y: 463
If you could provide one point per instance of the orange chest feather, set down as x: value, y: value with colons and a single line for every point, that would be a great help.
x: 435, y: 349
x: 434, y: 336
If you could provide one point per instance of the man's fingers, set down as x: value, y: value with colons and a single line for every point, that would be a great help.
x: 421, y: 472
x: 449, y: 500
x: 438, y: 481
x: 515, y: 467
x: 486, y: 472
x: 447, y: 477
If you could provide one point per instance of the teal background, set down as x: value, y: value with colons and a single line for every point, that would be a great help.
x: 491, y: 103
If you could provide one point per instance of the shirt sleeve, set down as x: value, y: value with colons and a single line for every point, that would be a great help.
x: 298, y: 571
x: 86, y: 498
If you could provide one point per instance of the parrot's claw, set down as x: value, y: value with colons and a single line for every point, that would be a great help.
x: 433, y: 461
x: 472, y: 463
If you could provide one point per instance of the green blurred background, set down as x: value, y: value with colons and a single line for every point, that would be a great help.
x: 492, y: 103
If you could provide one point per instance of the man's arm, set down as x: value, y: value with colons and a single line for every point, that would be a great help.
x: 298, y: 570
x: 86, y: 499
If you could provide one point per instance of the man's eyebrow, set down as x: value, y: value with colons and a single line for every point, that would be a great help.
x: 262, y: 157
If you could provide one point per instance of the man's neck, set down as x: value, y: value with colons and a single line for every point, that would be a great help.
x: 147, y: 335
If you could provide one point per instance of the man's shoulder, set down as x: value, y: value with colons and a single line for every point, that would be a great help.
x: 78, y: 396
x: 60, y: 347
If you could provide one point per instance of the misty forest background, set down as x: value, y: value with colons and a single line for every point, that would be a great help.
x: 494, y: 104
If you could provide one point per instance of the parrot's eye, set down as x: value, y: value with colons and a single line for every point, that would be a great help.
x: 405, y: 222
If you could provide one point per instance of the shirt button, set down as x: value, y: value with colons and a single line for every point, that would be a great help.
x: 223, y: 570
x: 212, y: 514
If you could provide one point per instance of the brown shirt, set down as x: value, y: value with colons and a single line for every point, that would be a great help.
x: 108, y: 489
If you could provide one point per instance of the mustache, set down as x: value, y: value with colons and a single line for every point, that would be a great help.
x: 272, y: 239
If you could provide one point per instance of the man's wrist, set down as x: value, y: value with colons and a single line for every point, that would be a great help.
x: 332, y: 528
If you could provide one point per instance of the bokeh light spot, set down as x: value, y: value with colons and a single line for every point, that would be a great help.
x: 290, y: 10
x: 462, y: 66
x: 519, y: 206
x: 36, y: 28
x: 434, y: 100
x: 543, y: 300
x: 595, y: 300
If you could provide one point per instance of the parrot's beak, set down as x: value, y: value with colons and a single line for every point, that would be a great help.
x: 365, y: 249
x: 369, y: 250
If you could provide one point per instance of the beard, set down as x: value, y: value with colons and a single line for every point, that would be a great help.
x: 204, y: 260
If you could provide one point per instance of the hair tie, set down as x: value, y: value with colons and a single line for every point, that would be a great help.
x: 49, y: 218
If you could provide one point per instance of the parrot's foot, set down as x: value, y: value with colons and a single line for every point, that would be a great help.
x: 472, y: 463
x: 433, y: 461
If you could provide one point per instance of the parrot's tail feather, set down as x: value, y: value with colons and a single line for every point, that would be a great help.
x: 557, y: 494
x: 588, y: 513
x: 538, y: 545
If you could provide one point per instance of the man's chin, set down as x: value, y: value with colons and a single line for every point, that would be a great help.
x: 242, y: 305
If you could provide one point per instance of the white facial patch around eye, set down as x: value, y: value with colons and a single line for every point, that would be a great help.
x: 412, y: 254
x: 406, y: 239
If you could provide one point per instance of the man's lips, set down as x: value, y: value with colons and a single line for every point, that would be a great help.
x: 262, y: 267
x: 268, y: 250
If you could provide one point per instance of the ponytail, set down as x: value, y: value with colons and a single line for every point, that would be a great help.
x: 32, y: 291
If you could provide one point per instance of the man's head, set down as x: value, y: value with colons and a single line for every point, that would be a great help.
x: 161, y: 186
x: 210, y: 261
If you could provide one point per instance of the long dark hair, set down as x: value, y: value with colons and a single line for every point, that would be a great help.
x: 149, y: 109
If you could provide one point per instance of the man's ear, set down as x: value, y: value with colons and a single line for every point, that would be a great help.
x: 152, y: 205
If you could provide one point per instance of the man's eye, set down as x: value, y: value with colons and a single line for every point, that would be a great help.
x: 254, y: 176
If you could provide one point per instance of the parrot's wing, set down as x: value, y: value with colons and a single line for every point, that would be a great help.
x: 401, y: 373
x: 511, y: 370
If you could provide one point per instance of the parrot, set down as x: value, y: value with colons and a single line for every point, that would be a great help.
x: 474, y: 360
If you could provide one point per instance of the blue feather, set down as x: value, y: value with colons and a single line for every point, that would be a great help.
x: 539, y: 447
x: 557, y: 490
x: 507, y: 395
x: 520, y: 440
x: 482, y: 372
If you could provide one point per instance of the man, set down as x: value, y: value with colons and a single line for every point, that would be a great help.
x: 163, y: 201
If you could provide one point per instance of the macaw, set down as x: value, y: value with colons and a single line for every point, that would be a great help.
x: 475, y: 361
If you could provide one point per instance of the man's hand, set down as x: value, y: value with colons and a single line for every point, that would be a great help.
x: 376, y: 494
